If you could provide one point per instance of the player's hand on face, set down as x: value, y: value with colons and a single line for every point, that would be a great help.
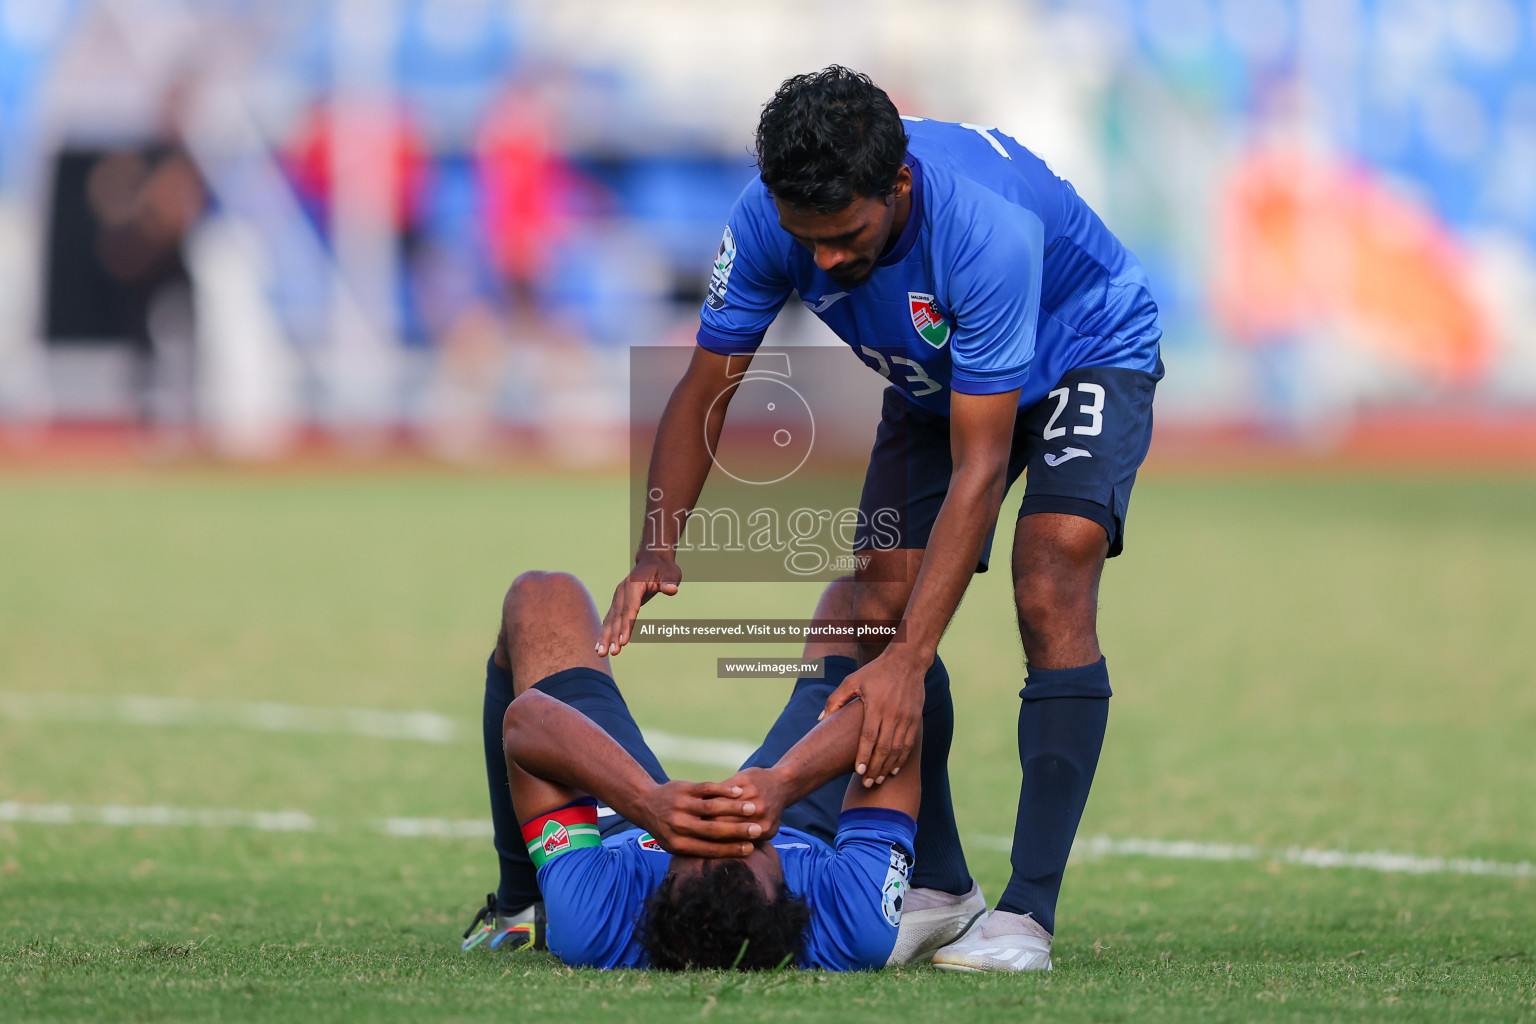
x: 651, y: 575
x: 892, y: 692
x: 763, y: 789
x: 701, y: 819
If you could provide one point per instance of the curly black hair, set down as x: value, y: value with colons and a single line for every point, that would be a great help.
x: 828, y: 137
x: 704, y: 920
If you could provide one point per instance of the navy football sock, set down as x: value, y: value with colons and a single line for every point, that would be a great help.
x: 1061, y: 730
x: 940, y: 858
x: 519, y: 886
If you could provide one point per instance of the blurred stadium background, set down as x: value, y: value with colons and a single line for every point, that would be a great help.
x: 242, y: 227
x: 360, y: 240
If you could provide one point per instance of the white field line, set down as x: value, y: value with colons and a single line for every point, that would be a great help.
x: 1374, y: 860
x: 115, y: 814
x: 729, y: 753
x: 474, y: 828
x: 262, y: 821
x: 430, y: 727
x: 437, y: 828
x: 422, y: 726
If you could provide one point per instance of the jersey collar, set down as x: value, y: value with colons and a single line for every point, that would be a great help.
x: 914, y: 219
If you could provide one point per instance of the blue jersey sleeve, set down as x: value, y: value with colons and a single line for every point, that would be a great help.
x: 593, y: 898
x: 748, y: 283
x: 993, y: 291
x: 856, y: 894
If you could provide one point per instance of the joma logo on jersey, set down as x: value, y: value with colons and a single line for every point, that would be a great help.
x: 930, y: 325
x: 556, y: 838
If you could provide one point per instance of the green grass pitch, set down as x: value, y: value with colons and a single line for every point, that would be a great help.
x: 1329, y: 662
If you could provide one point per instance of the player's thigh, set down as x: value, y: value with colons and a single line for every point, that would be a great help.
x: 1082, y: 446
x: 549, y: 624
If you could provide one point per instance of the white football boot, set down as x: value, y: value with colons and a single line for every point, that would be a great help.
x: 1000, y: 942
x: 930, y: 919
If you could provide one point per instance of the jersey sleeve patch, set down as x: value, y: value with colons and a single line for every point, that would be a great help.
x: 720, y: 276
x: 748, y: 280
x: 561, y: 831
x: 898, y: 878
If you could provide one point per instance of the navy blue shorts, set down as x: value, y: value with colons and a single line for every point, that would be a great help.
x: 1080, y: 447
x: 596, y: 695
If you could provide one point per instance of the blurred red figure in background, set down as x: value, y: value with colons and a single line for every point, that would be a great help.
x: 525, y: 184
x: 314, y: 161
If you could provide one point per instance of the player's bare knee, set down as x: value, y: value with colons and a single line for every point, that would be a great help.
x: 835, y: 605
x: 878, y: 602
x: 1047, y: 602
x: 837, y: 599
x: 539, y: 585
x: 520, y: 591
x: 1057, y: 620
x: 1035, y: 596
x: 518, y: 596
x: 536, y: 597
x: 536, y: 589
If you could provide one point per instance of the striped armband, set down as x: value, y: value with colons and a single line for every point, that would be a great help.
x: 561, y: 831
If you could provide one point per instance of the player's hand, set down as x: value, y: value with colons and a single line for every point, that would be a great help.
x: 892, y: 691
x: 700, y: 819
x: 765, y: 791
x: 652, y: 575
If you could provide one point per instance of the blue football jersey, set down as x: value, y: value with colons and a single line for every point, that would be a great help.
x: 594, y: 896
x: 1002, y: 278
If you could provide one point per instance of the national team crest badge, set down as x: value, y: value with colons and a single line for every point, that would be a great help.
x: 649, y: 843
x: 930, y: 324
x: 573, y: 827
x: 556, y: 838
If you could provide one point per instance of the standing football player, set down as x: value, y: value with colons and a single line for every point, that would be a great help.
x: 1018, y: 335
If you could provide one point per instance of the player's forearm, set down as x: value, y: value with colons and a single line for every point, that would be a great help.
x: 680, y: 462
x: 954, y: 547
x: 551, y: 740
x: 822, y: 754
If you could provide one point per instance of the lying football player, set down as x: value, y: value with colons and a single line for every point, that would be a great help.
x: 793, y: 860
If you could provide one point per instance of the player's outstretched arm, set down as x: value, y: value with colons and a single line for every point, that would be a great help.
x: 680, y: 460
x: 825, y: 753
x: 891, y: 686
x: 555, y: 755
